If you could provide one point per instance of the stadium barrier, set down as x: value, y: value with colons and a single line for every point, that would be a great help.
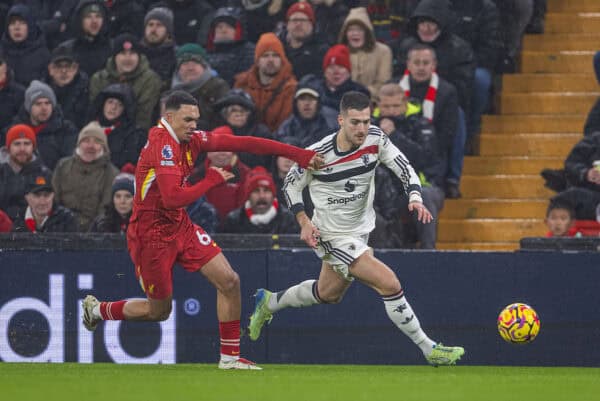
x: 457, y: 296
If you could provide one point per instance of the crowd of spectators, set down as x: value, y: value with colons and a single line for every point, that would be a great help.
x: 81, y: 82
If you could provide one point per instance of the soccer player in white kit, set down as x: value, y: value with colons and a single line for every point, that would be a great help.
x: 342, y: 192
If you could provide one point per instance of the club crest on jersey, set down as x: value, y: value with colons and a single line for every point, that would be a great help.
x: 365, y: 159
x: 167, y: 152
x: 350, y: 185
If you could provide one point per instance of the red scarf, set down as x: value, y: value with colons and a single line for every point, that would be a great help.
x: 38, y: 128
x: 30, y: 220
x: 108, y: 130
x: 429, y: 101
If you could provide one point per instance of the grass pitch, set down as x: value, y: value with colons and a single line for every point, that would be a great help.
x: 109, y: 382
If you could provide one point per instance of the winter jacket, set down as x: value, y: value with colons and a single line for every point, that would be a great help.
x: 62, y: 220
x: 111, y: 222
x: 144, y: 82
x: 55, y: 140
x: 229, y: 58
x: 581, y: 159
x: 85, y: 188
x: 364, y: 70
x: 455, y: 60
x: 12, y: 185
x: 204, y: 214
x: 273, y: 101
x: 12, y: 95
x: 126, y: 16
x: 308, y: 58
x: 125, y: 139
x: 206, y: 90
x: 237, y: 222
x: 73, y: 98
x: 478, y: 22
x: 162, y: 60
x: 91, y: 52
x: 330, y: 16
x: 28, y: 59
x: 50, y: 15
x: 332, y: 98
x: 592, y: 123
x: 303, y: 132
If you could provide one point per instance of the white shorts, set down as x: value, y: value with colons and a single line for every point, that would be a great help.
x: 341, y: 251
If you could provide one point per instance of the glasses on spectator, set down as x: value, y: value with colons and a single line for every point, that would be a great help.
x: 298, y: 20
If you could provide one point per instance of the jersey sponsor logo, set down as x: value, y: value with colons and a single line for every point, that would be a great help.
x: 344, y: 201
x: 168, y: 163
x: 167, y: 152
x: 350, y: 185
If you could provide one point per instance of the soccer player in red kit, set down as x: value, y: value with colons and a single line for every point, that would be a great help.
x: 161, y: 234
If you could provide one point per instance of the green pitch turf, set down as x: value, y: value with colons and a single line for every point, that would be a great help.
x: 108, y: 382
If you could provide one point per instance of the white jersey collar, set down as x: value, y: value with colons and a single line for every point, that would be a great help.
x: 166, y: 125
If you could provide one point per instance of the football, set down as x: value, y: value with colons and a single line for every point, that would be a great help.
x: 518, y: 323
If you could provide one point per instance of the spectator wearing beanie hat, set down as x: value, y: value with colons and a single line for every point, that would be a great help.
x: 83, y: 182
x: 229, y: 50
x: 261, y: 212
x: 158, y: 44
x: 194, y: 76
x: 270, y: 82
x: 337, y: 79
x: 115, y: 218
x: 17, y: 161
x: 129, y: 66
x: 303, y: 47
x: 55, y: 136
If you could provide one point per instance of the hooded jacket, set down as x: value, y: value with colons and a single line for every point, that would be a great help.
x: 29, y: 58
x: 91, y: 52
x: 62, y: 220
x: 124, y: 138
x: 364, y: 70
x: 455, y: 60
x: 232, y: 57
x: 12, y: 95
x: 273, y: 101
x: 73, y: 97
x: 144, y: 82
x: 252, y: 127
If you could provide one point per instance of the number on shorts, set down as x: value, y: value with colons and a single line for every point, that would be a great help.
x: 204, y: 238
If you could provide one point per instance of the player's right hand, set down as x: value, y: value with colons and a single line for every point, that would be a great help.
x: 316, y: 162
x: 310, y: 234
x: 227, y: 175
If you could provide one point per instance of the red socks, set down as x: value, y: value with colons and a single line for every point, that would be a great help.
x: 112, y: 310
x: 230, y: 338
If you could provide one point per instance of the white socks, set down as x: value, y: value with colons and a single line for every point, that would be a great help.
x: 399, y: 311
x: 303, y: 294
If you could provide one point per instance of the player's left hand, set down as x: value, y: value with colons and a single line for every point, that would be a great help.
x: 423, y: 215
x: 316, y: 162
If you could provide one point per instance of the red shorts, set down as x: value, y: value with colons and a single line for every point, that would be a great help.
x: 154, y: 260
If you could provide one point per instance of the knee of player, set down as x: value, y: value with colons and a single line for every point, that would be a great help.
x: 231, y: 282
x: 159, y: 315
x: 391, y: 287
x: 331, y: 298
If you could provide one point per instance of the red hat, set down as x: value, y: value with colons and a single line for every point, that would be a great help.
x: 338, y: 55
x: 259, y: 177
x: 269, y: 42
x: 20, y: 131
x: 303, y: 7
x: 223, y: 130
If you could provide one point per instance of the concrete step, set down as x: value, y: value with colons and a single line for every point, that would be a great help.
x: 493, y: 208
x: 504, y: 187
x: 559, y: 6
x: 526, y: 83
x: 561, y: 41
x: 572, y: 22
x: 489, y: 230
x: 478, y: 246
x: 557, y: 62
x: 527, y: 144
x: 547, y: 103
x: 533, y: 123
x: 502, y: 165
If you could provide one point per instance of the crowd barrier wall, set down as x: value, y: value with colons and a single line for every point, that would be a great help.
x: 456, y: 295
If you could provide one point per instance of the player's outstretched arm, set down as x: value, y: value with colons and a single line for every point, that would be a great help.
x: 174, y: 196
x: 260, y: 146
